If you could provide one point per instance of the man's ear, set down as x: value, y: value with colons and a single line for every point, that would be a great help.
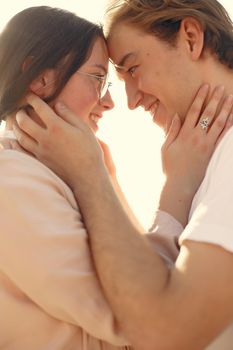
x: 192, y: 32
x: 43, y: 85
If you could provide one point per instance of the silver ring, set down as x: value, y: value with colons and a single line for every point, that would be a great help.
x: 204, y: 123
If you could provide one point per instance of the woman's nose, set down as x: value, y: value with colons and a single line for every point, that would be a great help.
x: 107, y: 101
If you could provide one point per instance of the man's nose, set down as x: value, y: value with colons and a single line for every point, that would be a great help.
x: 134, y: 96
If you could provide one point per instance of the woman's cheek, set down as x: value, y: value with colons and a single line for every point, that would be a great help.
x: 81, y: 100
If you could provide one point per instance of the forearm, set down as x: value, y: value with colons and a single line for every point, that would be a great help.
x: 124, y: 259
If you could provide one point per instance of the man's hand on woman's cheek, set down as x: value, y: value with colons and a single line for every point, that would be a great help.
x: 66, y: 144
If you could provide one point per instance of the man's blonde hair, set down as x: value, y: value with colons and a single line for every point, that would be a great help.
x: 163, y: 17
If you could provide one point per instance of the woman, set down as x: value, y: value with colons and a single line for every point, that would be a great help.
x: 50, y: 296
x: 153, y: 304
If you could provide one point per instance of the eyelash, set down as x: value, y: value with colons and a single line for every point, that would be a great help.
x: 100, y: 77
x: 131, y: 70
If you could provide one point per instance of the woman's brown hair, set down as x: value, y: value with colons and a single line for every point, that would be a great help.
x: 163, y: 18
x: 50, y: 38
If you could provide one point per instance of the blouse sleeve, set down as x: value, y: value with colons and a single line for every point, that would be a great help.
x: 44, y: 247
x: 164, y: 235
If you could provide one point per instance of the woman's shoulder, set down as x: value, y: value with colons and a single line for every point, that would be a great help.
x: 16, y: 163
x: 19, y: 167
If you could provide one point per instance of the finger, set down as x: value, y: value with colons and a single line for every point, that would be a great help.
x: 67, y: 115
x: 25, y: 141
x: 16, y: 146
x: 210, y: 110
x: 105, y: 149
x: 172, y: 132
x: 100, y: 141
x: 227, y: 127
x: 196, y: 108
x: 42, y: 109
x: 28, y: 125
x: 220, y: 123
x: 103, y: 145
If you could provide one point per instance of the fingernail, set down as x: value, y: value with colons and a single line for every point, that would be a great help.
x: 205, y: 87
x: 221, y: 88
x: 18, y: 118
x: 175, y: 119
x: 60, y: 105
x: 14, y: 129
x: 13, y: 144
x: 230, y: 99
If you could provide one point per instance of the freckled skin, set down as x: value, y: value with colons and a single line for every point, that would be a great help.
x: 163, y: 72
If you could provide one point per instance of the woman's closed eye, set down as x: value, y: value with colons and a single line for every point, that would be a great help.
x: 100, y: 77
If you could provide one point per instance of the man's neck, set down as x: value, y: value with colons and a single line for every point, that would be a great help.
x: 219, y: 74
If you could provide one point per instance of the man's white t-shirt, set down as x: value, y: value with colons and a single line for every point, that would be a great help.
x: 211, y: 215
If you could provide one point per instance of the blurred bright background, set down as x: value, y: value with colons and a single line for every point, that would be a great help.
x: 134, y: 140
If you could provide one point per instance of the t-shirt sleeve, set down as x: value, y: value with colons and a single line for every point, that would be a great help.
x: 44, y: 247
x: 164, y: 235
x: 212, y: 219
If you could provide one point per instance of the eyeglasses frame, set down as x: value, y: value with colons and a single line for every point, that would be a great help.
x: 105, y: 84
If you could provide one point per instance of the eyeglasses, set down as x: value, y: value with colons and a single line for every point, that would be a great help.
x: 104, y: 84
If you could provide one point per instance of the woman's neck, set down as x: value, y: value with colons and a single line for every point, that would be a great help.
x: 11, y: 119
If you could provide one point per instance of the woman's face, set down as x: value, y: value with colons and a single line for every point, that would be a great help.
x: 81, y: 94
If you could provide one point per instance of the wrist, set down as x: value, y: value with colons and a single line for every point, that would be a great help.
x: 94, y: 175
x: 180, y: 187
x: 87, y: 176
x: 176, y: 200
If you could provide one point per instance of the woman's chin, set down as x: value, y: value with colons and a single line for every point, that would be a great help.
x: 94, y: 127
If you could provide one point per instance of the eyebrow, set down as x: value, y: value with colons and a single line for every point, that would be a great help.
x: 124, y: 59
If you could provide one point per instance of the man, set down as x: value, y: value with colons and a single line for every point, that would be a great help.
x: 164, y: 50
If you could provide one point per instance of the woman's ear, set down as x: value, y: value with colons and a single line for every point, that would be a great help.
x: 43, y: 85
x: 192, y: 33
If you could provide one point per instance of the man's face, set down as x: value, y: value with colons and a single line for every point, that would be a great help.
x: 158, y: 77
